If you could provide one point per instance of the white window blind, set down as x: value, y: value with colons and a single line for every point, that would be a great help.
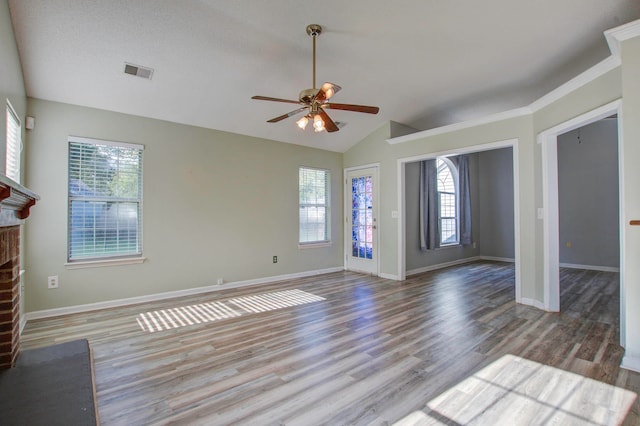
x: 105, y: 199
x: 314, y: 205
x: 13, y: 147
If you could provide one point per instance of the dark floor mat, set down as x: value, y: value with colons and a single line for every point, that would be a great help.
x: 49, y: 386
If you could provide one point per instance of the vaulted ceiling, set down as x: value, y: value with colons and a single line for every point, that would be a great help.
x: 423, y: 62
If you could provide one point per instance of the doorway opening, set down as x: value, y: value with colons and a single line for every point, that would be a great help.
x: 407, y: 259
x: 491, y: 206
x: 553, y: 239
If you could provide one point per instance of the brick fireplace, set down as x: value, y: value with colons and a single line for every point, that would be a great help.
x: 15, y: 203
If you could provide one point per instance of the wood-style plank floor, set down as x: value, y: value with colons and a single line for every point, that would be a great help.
x: 443, y: 347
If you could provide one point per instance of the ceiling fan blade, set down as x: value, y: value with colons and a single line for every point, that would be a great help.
x: 349, y: 107
x: 329, y: 124
x: 267, y: 98
x: 327, y: 91
x: 287, y: 115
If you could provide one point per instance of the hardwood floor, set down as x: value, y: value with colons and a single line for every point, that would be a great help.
x: 374, y: 351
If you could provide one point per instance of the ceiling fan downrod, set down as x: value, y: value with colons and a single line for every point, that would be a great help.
x: 314, y: 30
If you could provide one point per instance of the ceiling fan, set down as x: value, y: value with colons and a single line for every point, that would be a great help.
x: 314, y: 101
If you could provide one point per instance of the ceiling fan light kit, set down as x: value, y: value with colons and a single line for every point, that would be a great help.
x: 314, y: 101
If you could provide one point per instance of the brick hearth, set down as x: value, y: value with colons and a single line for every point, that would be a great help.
x: 9, y: 295
x: 15, y: 203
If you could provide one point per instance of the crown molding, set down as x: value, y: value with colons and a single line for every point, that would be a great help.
x: 619, y: 34
x: 613, y: 36
x: 598, y: 70
x: 513, y: 113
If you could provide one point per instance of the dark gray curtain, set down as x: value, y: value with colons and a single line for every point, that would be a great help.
x: 465, y: 199
x: 429, y: 232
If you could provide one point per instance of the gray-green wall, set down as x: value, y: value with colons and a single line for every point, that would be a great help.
x: 11, y: 81
x: 216, y: 205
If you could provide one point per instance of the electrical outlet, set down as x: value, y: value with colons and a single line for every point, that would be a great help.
x: 220, y: 281
x: 275, y: 259
x: 52, y: 281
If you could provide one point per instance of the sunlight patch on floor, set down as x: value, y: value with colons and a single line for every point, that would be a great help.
x: 514, y: 390
x: 182, y: 316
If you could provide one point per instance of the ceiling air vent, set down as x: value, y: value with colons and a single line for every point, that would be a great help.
x: 138, y: 71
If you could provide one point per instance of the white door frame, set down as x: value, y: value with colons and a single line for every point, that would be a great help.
x: 510, y: 143
x: 347, y: 213
x: 549, y: 141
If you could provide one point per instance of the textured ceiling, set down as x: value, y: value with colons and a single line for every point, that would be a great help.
x: 423, y: 62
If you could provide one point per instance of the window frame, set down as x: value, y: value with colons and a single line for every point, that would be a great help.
x: 9, y: 171
x: 453, y: 170
x: 113, y: 258
x: 326, y: 205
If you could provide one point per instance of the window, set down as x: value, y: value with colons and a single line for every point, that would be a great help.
x: 447, y: 188
x: 13, y: 147
x: 314, y: 205
x: 105, y: 199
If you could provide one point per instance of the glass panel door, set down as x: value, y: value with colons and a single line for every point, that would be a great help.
x: 361, y: 185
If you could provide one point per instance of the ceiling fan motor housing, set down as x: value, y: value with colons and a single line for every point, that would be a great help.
x: 307, y: 95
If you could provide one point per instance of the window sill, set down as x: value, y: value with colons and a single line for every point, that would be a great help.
x: 304, y: 246
x: 451, y: 245
x: 104, y: 262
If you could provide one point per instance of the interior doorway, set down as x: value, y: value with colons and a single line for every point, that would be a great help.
x: 589, y: 224
x: 550, y: 212
x: 491, y: 203
x: 402, y: 204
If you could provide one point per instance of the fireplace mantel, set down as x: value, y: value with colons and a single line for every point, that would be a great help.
x: 15, y: 202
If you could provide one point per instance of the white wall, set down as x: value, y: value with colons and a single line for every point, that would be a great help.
x: 216, y: 205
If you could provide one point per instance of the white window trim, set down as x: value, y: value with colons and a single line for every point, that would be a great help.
x: 84, y: 264
x: 320, y: 243
x: 456, y: 182
x: 114, y: 260
x: 11, y: 110
x: 312, y: 245
x: 81, y: 139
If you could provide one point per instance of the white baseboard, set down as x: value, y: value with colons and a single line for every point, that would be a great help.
x: 498, y: 259
x: 590, y: 267
x: 23, y: 323
x: 47, y: 313
x: 389, y: 276
x: 631, y: 363
x: 443, y: 265
x: 531, y: 302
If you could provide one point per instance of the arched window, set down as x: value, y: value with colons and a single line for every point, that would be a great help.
x: 447, y: 188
